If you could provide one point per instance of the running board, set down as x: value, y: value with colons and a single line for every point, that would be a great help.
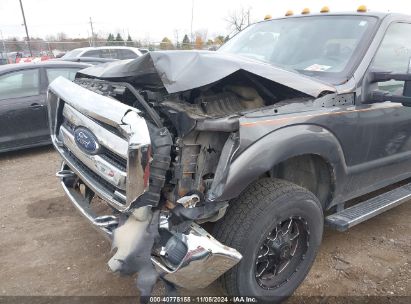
x: 347, y: 218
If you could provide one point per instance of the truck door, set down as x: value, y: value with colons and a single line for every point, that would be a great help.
x: 386, y: 128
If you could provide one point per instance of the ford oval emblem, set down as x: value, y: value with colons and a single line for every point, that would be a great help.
x: 86, y: 140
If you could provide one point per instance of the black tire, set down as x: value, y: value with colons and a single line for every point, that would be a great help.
x: 253, y: 217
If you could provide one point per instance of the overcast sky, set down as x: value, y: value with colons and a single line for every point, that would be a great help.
x: 154, y: 19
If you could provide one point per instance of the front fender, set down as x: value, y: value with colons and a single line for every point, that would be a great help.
x: 279, y: 146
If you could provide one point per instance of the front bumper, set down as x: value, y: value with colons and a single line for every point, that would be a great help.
x: 103, y: 223
x: 206, y: 258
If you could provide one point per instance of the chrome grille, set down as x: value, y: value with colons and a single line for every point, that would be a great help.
x: 118, y: 171
x: 115, y: 159
x: 96, y: 177
x: 95, y: 163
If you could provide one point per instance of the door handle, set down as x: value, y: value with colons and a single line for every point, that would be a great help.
x: 36, y: 105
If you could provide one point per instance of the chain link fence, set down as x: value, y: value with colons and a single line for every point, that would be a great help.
x: 10, y: 50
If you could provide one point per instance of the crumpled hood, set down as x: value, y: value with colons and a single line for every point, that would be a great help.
x: 186, y: 70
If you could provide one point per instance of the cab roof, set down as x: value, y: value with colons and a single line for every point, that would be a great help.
x: 379, y: 15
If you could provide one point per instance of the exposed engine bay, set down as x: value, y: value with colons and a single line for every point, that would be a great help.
x: 194, y: 135
x: 190, y: 130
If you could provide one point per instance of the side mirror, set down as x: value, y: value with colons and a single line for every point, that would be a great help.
x: 375, y: 95
x: 386, y: 76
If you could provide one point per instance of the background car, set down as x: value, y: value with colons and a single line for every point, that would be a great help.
x: 10, y: 57
x: 23, y: 112
x: 90, y: 60
x: 143, y: 50
x: 113, y: 52
x: 3, y: 58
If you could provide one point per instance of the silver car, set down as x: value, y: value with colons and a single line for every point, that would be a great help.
x: 109, y: 52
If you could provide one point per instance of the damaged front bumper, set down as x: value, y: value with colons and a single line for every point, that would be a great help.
x: 206, y: 258
x: 117, y: 170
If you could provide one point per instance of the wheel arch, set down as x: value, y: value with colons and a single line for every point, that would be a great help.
x: 310, y: 171
x: 279, y: 147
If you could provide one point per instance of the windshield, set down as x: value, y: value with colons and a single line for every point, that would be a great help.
x: 72, y: 54
x: 319, y: 46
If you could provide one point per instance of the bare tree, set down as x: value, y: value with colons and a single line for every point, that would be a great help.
x: 51, y: 38
x: 238, y: 19
x: 61, y: 36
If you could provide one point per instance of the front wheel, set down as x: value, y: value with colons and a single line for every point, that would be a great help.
x: 277, y: 226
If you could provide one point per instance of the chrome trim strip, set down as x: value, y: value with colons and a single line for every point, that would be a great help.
x: 65, y: 173
x: 102, y: 223
x: 95, y: 163
x: 120, y: 195
x: 139, y: 155
x: 102, y: 108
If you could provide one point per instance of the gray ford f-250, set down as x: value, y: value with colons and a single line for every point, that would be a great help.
x: 227, y: 164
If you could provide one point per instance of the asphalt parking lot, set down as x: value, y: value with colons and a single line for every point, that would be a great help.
x: 48, y: 249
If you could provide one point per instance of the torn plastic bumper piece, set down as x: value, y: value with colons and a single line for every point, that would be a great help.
x: 206, y: 258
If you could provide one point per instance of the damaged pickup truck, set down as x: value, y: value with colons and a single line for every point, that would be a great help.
x: 227, y: 164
